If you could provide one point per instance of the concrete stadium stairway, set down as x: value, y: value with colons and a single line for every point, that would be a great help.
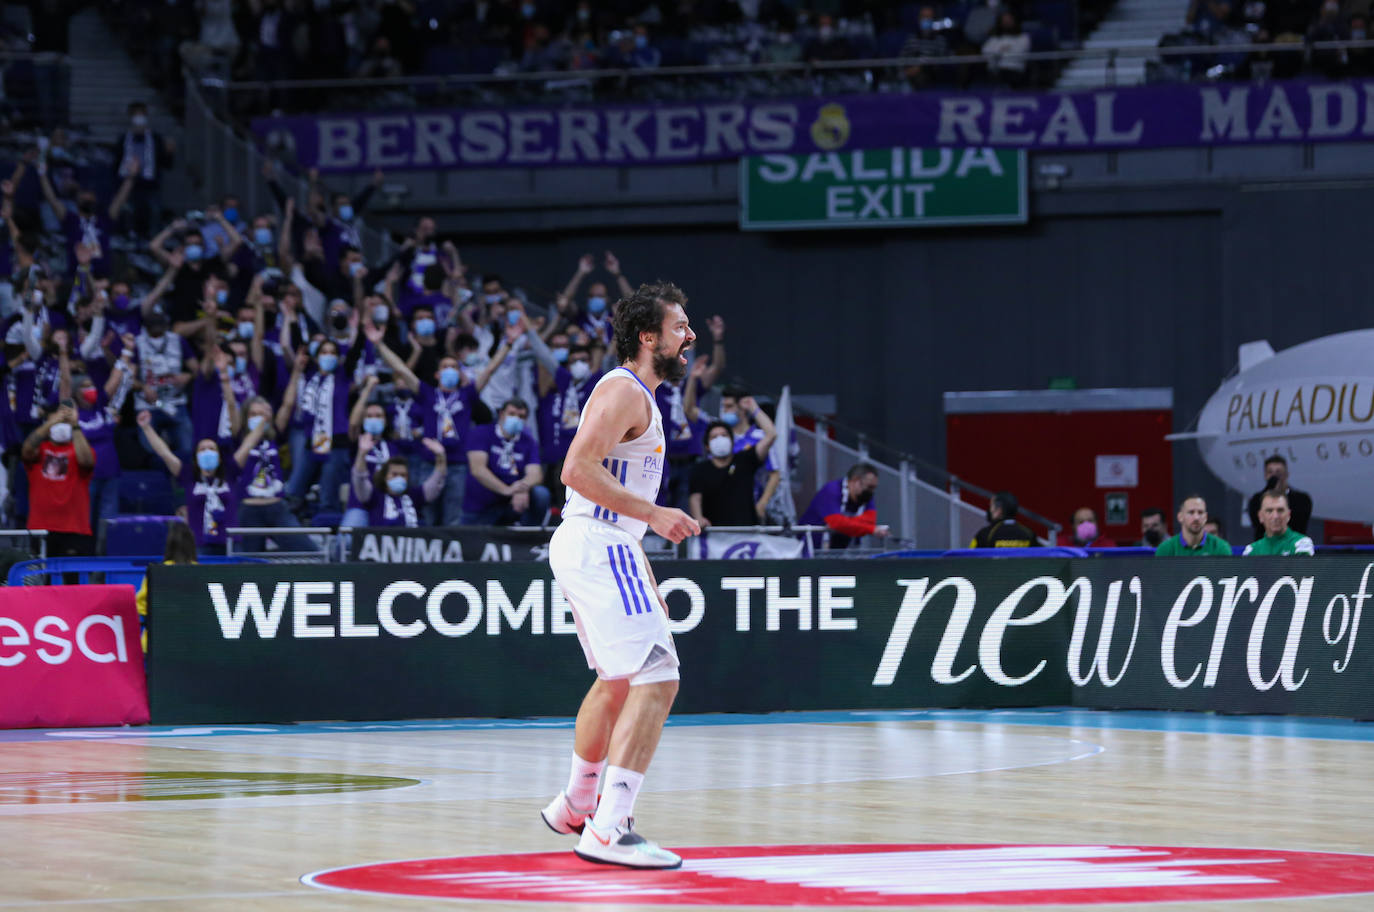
x: 1131, y: 23
x: 105, y: 80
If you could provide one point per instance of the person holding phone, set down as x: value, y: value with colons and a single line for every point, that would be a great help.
x: 60, y: 464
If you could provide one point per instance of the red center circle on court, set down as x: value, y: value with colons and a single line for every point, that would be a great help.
x: 876, y: 876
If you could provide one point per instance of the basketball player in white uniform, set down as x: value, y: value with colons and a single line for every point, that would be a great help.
x: 612, y: 472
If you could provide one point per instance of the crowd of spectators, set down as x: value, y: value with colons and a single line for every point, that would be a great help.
x: 1288, y: 25
x: 279, y: 380
x: 281, y: 40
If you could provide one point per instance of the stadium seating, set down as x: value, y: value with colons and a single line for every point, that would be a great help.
x: 147, y: 493
x: 133, y: 535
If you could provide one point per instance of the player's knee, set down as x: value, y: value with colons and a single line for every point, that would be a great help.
x: 611, y: 691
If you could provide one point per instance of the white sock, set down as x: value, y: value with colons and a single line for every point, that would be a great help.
x: 618, y: 797
x: 581, y: 790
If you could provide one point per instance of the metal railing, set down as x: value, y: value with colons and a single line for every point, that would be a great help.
x: 922, y: 502
x: 333, y: 544
x: 227, y: 164
x: 869, y: 74
x: 327, y: 544
x: 28, y: 535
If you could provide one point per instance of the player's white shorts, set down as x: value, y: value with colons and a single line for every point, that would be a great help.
x: 619, y: 620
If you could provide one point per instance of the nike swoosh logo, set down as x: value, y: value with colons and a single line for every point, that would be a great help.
x: 597, y: 836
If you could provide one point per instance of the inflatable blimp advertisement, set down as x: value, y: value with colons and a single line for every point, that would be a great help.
x: 1312, y: 404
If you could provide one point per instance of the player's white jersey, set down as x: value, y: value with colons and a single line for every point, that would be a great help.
x: 637, y: 464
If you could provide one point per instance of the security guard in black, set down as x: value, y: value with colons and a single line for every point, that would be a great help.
x: 1002, y: 530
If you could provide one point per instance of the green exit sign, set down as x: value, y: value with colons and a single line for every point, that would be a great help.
x: 883, y: 188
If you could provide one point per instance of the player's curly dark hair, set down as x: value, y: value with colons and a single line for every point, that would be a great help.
x: 642, y: 312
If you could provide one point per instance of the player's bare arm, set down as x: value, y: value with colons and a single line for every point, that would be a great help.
x: 616, y: 412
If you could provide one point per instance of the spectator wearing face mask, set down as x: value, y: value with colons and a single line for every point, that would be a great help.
x: 258, y: 252
x: 194, y: 269
x: 722, y: 484
x: 323, y: 400
x: 843, y: 507
x: 343, y: 280
x: 386, y: 493
x: 125, y: 313
x: 194, y: 320
x: 385, y: 315
x: 683, y: 425
x: 247, y: 337
x: 261, y: 483
x: 744, y: 422
x: 122, y: 313
x: 221, y: 230
x: 1002, y: 530
x: 567, y: 378
x: 60, y: 464
x: 1154, y: 527
x: 368, y: 421
x: 147, y: 156
x: 594, y: 316
x: 338, y: 225
x: 510, y: 371
x: 446, y: 410
x: 927, y: 41
x: 97, y: 419
x: 504, y: 476
x: 210, y: 482
x: 1083, y: 531
x: 425, y: 347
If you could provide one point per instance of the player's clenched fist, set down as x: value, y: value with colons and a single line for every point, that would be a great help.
x: 673, y: 524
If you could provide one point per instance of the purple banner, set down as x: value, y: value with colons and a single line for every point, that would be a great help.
x: 660, y: 134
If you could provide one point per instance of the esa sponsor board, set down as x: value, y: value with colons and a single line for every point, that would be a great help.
x: 70, y: 655
x: 287, y: 643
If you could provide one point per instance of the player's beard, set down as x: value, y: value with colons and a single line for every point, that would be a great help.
x: 669, y: 367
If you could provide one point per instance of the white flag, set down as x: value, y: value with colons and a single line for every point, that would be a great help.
x: 782, y: 509
x: 745, y: 546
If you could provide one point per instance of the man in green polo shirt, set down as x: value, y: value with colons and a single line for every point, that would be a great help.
x: 1274, y: 515
x: 1192, y: 540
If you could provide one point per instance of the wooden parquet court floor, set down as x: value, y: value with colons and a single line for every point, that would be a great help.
x: 234, y: 818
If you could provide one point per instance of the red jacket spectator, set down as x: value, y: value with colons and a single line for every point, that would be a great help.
x: 843, y: 506
x: 60, y: 464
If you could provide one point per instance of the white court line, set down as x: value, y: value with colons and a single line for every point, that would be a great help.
x: 194, y: 897
x: 456, y: 786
